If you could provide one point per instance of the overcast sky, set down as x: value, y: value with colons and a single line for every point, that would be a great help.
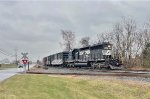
x: 34, y: 26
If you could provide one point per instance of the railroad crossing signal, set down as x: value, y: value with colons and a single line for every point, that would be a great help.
x: 25, y: 61
x: 24, y: 58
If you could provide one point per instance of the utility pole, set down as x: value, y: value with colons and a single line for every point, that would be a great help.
x: 16, y: 56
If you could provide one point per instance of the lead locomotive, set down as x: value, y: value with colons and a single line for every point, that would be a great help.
x: 96, y: 56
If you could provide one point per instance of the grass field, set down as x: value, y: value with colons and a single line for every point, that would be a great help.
x: 5, y: 66
x: 49, y: 87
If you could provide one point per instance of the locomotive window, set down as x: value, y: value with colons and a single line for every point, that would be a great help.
x: 107, y: 46
x: 55, y: 56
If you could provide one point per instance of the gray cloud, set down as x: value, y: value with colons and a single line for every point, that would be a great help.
x: 34, y: 27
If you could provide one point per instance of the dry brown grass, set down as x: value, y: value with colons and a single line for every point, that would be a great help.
x: 71, y: 87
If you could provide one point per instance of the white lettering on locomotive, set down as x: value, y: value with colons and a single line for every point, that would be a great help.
x: 106, y: 52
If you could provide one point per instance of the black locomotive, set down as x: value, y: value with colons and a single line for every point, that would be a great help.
x: 96, y: 56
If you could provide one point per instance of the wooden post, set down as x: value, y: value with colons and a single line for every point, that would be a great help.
x: 28, y: 66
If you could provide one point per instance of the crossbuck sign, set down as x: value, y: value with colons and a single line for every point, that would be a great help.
x: 24, y: 55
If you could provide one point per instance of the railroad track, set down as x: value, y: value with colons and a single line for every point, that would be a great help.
x: 91, y: 72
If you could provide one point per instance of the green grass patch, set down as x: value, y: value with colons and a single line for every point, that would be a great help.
x: 5, y: 66
x: 45, y: 87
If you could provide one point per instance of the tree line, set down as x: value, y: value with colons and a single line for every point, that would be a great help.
x: 131, y: 41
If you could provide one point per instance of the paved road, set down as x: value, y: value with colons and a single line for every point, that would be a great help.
x: 5, y: 74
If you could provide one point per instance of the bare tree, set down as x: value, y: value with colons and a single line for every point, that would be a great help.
x: 118, y: 39
x: 68, y: 39
x: 124, y: 34
x: 85, y: 41
x: 130, y: 30
x: 104, y: 37
x: 138, y: 48
x: 145, y: 32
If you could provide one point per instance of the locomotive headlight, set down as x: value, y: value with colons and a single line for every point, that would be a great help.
x: 109, y: 46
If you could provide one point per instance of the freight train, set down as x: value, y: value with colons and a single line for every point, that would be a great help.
x: 95, y: 56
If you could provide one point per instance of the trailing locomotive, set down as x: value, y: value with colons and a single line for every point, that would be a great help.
x: 96, y: 56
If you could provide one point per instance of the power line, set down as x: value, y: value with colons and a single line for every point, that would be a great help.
x: 16, y: 55
x: 5, y: 52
